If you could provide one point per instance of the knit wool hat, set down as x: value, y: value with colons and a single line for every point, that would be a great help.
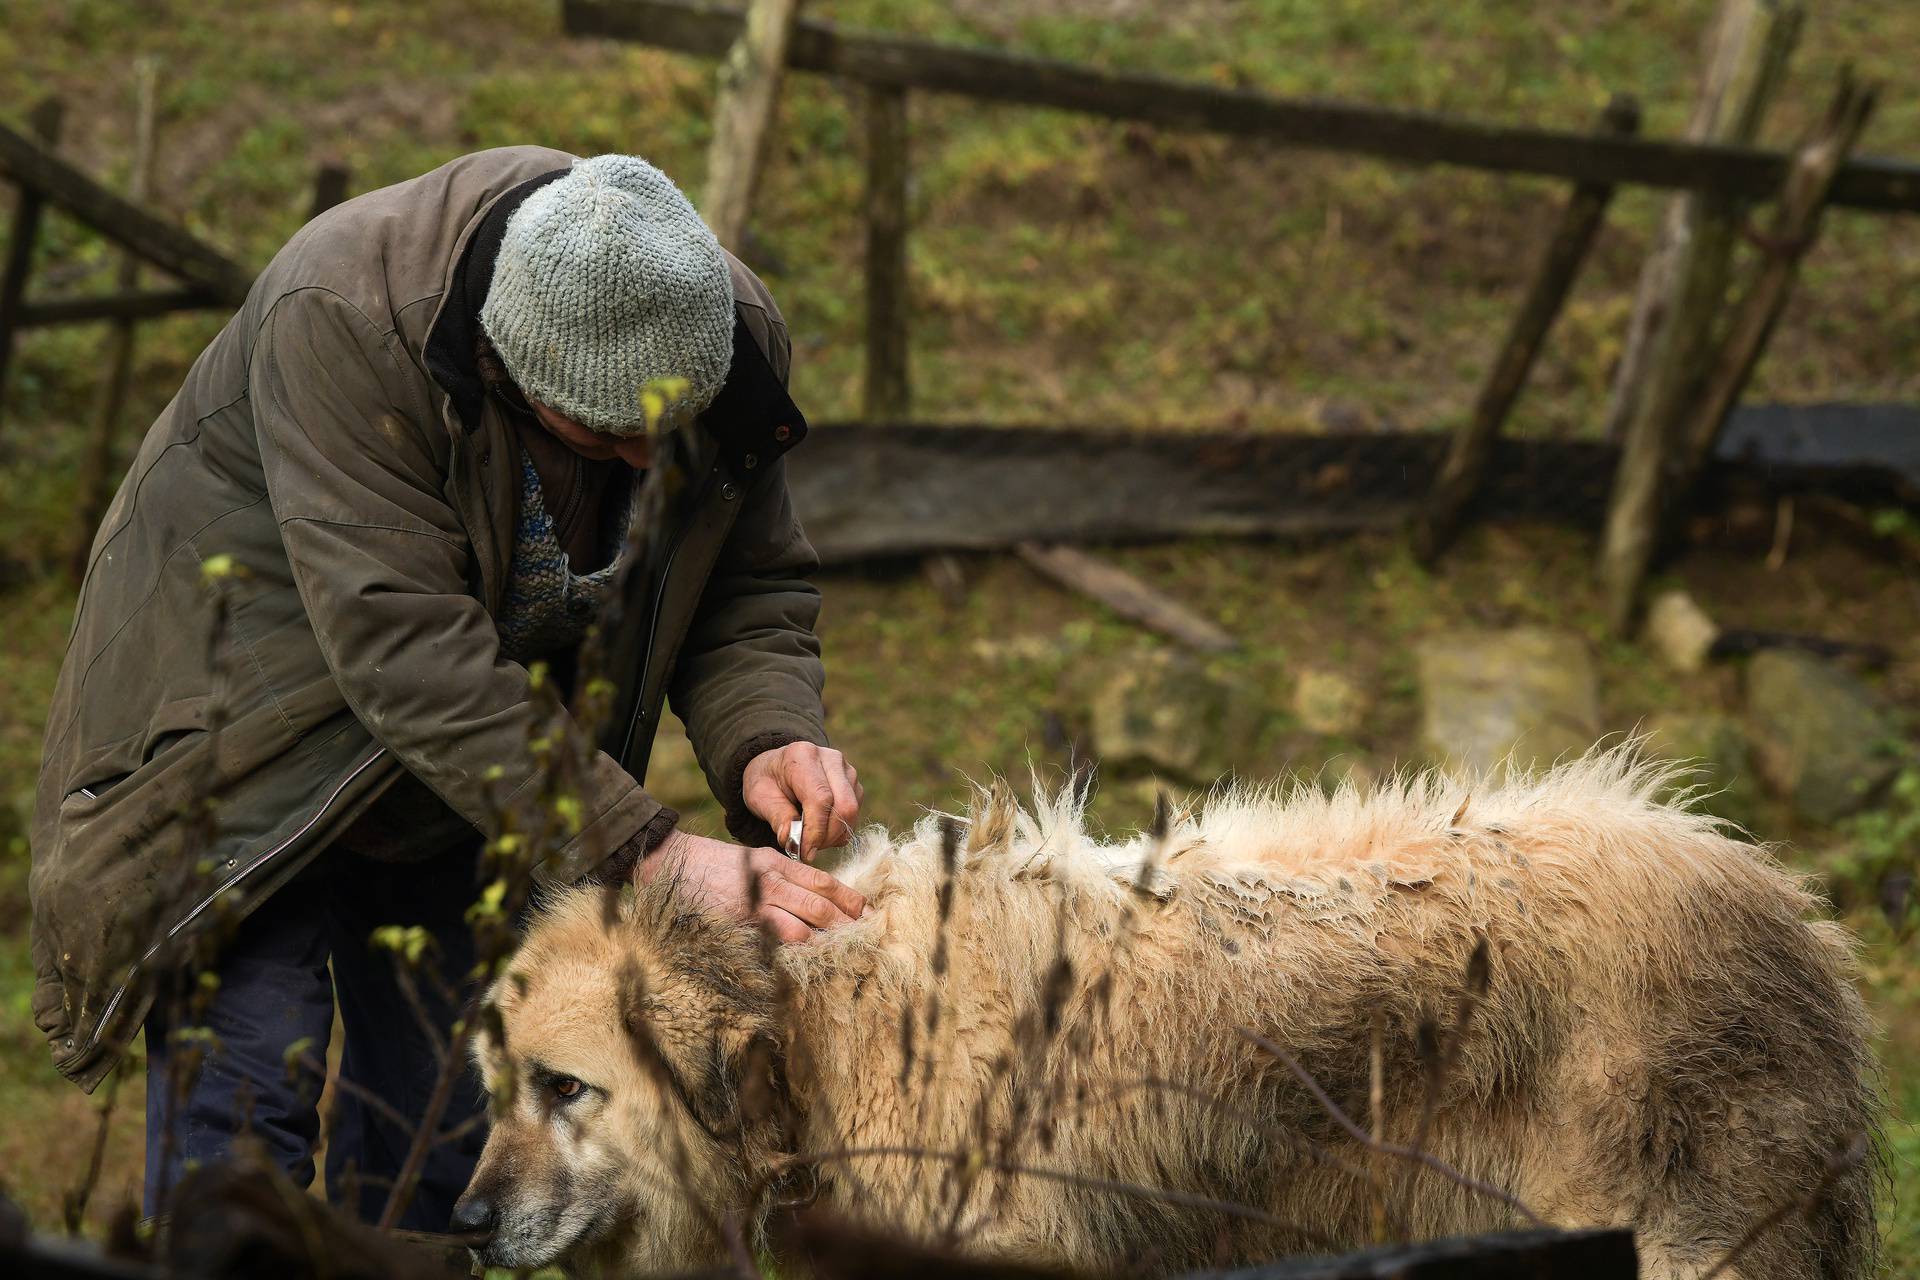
x: 607, y: 285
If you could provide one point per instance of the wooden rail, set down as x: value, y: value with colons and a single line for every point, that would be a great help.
x: 1388, y: 134
x: 207, y: 278
x: 173, y: 249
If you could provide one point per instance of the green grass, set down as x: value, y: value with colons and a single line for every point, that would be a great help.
x: 1062, y: 266
x: 925, y: 693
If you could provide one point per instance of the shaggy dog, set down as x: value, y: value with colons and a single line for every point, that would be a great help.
x: 1588, y: 1002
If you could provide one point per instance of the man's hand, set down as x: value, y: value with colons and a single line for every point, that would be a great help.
x: 814, y: 784
x: 795, y: 899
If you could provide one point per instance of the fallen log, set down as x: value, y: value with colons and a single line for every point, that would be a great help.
x: 1126, y: 595
x: 870, y: 491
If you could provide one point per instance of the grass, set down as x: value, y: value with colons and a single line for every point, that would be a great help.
x: 925, y: 691
x: 1062, y: 266
x: 1063, y: 269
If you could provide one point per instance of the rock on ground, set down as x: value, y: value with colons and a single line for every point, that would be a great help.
x: 1821, y: 739
x: 1680, y: 631
x: 1166, y: 714
x: 1530, y: 692
x: 1327, y: 702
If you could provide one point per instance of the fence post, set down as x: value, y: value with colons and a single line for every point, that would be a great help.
x: 888, y: 394
x: 45, y: 123
x: 1696, y: 424
x: 1796, y: 225
x: 1747, y: 51
x: 1465, y: 467
x: 329, y: 188
x: 90, y: 500
x: 1682, y: 293
x: 749, y: 78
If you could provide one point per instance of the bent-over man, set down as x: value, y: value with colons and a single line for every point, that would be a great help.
x: 418, y: 443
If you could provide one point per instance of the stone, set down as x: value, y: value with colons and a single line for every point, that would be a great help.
x: 1680, y: 631
x: 1167, y: 714
x: 1529, y: 693
x: 1714, y: 747
x: 1327, y: 702
x: 1821, y: 740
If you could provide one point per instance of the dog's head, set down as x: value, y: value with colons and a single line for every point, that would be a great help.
x: 631, y: 1058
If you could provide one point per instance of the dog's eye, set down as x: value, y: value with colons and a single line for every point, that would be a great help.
x: 567, y: 1086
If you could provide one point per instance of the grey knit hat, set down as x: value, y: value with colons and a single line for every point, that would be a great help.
x: 609, y: 289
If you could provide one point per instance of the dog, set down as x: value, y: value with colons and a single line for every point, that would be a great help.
x: 1582, y: 1003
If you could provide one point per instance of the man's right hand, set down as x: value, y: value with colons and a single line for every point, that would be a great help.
x: 795, y: 899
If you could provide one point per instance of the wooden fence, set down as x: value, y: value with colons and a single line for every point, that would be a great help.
x: 891, y: 69
x: 1821, y: 172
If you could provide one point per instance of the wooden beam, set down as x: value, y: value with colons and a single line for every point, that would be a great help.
x: 1461, y: 474
x: 1682, y: 287
x: 750, y: 77
x: 1411, y: 136
x: 1126, y: 595
x: 888, y: 390
x: 134, y: 304
x: 988, y: 488
x: 162, y: 244
x: 1682, y: 296
x: 1791, y: 235
x: 1653, y: 482
x: 21, y: 240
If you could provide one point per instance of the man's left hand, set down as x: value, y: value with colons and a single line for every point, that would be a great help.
x: 814, y: 784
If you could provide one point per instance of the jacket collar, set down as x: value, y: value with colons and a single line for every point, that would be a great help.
x: 450, y: 342
x: 752, y: 419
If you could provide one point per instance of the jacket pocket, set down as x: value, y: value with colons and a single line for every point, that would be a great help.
x: 115, y: 764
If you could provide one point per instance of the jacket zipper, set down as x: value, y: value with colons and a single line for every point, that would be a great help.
x: 113, y: 1001
x: 653, y: 622
x: 639, y: 708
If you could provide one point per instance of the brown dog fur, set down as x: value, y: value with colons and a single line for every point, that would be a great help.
x: 1669, y: 1039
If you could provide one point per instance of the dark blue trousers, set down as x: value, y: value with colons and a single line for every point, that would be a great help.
x: 275, y: 990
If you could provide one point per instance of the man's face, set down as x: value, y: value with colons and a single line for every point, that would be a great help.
x: 635, y: 451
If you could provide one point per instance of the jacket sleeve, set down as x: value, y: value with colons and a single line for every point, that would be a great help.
x: 382, y: 563
x: 749, y: 678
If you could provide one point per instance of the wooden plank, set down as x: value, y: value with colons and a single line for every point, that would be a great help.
x: 90, y: 498
x: 1386, y: 133
x: 21, y: 239
x: 1461, y: 474
x: 869, y: 491
x: 1126, y: 595
x: 888, y: 391
x: 750, y: 78
x: 161, y: 243
x: 133, y: 304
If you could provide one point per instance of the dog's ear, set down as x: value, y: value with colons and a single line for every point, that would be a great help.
x: 702, y: 1018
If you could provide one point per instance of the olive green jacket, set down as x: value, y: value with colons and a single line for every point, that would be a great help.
x: 334, y: 441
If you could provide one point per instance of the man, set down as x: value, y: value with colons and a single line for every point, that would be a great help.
x: 410, y: 461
